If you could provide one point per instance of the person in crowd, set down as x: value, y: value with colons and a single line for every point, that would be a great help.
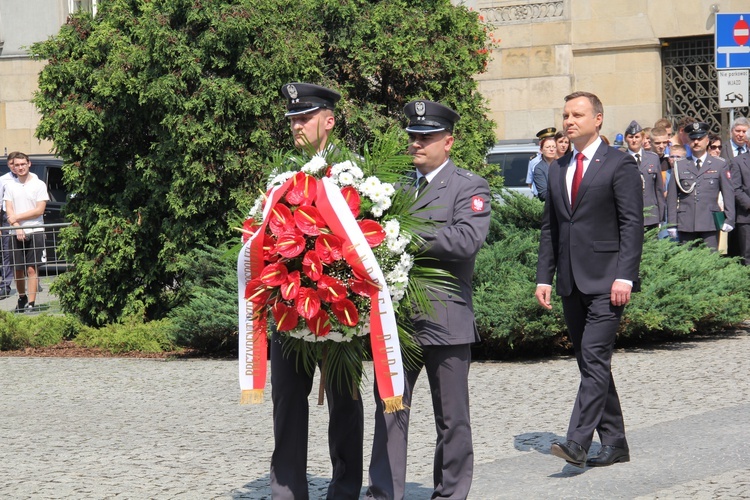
x: 548, y: 147
x: 714, y: 145
x: 592, y: 238
x: 563, y: 143
x: 459, y: 202
x: 659, y: 146
x: 25, y: 202
x: 310, y: 110
x: 546, y: 132
x: 681, y: 135
x: 647, y: 139
x: 693, y: 193
x: 740, y: 171
x: 678, y: 153
x: 7, y: 274
x: 738, y: 139
x: 650, y: 168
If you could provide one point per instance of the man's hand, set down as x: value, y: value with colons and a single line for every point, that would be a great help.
x: 620, y: 293
x: 544, y: 295
x: 12, y: 219
x: 20, y: 235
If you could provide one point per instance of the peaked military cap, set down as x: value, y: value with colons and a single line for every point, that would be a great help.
x: 697, y: 130
x: 633, y: 128
x: 307, y: 97
x: 546, y: 132
x: 428, y: 116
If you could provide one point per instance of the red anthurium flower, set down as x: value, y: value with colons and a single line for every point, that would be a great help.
x: 269, y: 248
x: 257, y: 292
x: 373, y: 232
x: 312, y: 265
x: 304, y: 189
x: 330, y: 289
x: 309, y: 220
x: 249, y: 227
x: 273, y: 274
x: 280, y: 219
x: 328, y: 247
x: 308, y: 302
x: 320, y: 324
x: 363, y: 286
x: 346, y: 312
x: 352, y: 199
x: 286, y: 317
x: 290, y: 244
x: 290, y: 289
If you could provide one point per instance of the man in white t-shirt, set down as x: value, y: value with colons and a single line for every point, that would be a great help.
x: 25, y: 202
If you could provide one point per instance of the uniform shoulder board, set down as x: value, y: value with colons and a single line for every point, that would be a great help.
x: 465, y: 173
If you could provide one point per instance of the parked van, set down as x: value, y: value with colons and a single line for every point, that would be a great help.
x: 513, y: 157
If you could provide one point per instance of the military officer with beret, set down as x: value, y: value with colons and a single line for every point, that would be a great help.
x: 534, y: 160
x: 310, y: 112
x: 458, y: 202
x: 693, y: 193
x: 651, y: 178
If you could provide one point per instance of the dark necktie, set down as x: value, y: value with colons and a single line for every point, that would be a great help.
x: 740, y: 150
x: 638, y: 159
x: 698, y: 164
x: 421, y: 184
x: 576, y: 178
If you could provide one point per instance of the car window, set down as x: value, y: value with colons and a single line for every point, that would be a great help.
x: 514, y: 166
x: 55, y: 185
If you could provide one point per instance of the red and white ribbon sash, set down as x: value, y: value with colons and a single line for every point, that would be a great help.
x: 253, y: 340
x: 386, y: 350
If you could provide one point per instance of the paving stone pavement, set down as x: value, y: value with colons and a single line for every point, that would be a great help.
x: 137, y: 428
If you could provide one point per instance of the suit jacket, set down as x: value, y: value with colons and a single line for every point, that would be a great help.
x: 727, y: 151
x: 740, y: 171
x: 458, y: 202
x: 653, y: 189
x: 541, y: 173
x: 600, y: 238
x: 693, y: 212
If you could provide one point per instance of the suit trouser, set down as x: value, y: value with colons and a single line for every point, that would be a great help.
x: 710, y: 238
x: 592, y: 323
x: 742, y: 237
x: 447, y: 370
x: 290, y: 388
x: 7, y: 275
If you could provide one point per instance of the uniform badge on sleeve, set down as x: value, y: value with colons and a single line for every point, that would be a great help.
x: 477, y: 203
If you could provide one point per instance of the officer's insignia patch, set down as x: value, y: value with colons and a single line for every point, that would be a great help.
x: 419, y: 107
x: 477, y: 203
x: 292, y: 91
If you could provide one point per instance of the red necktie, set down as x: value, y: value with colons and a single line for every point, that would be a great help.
x: 576, y: 178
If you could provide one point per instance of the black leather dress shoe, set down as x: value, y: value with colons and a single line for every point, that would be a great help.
x: 570, y: 451
x: 609, y: 455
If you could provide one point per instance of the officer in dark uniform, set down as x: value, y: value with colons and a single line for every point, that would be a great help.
x: 310, y: 112
x: 651, y: 178
x: 693, y: 193
x: 458, y: 202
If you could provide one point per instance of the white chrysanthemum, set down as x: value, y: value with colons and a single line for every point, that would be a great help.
x: 300, y: 333
x: 388, y: 189
x: 256, y: 210
x: 392, y: 229
x: 397, y: 246
x: 406, y: 261
x: 345, y: 179
x: 315, y: 165
x: 397, y: 294
x: 376, y: 211
x: 370, y: 186
x: 280, y: 179
x: 397, y: 276
x: 336, y: 337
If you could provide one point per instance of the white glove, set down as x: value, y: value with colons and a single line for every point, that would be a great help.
x: 672, y: 231
x: 726, y: 227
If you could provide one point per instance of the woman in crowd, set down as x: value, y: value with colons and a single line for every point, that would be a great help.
x: 714, y: 145
x: 548, y: 148
x: 562, y: 143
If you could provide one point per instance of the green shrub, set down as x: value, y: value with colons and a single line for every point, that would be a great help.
x: 10, y: 338
x: 685, y: 289
x: 207, y: 317
x: 132, y: 335
x: 46, y: 330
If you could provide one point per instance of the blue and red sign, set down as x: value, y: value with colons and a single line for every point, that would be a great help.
x: 732, y: 41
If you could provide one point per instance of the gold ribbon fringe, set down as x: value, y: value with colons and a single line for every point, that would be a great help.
x: 394, y: 404
x: 253, y: 396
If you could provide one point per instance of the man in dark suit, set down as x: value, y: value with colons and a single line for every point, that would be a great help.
x: 650, y: 168
x: 738, y: 137
x: 592, y: 237
x: 458, y: 203
x: 740, y: 172
x: 310, y: 112
x: 693, y: 192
